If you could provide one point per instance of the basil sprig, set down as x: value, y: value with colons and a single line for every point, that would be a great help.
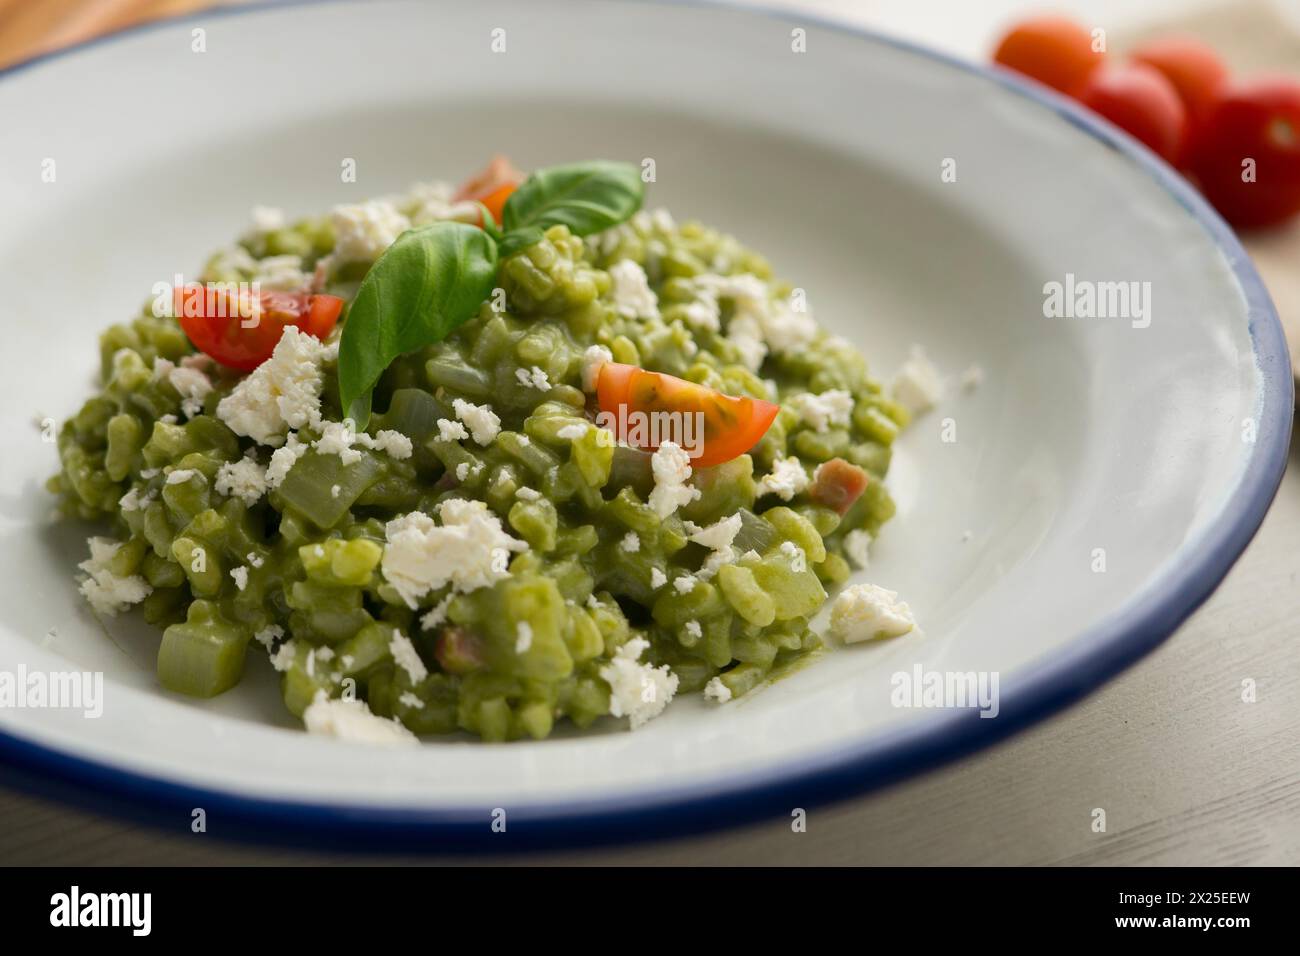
x: 434, y: 278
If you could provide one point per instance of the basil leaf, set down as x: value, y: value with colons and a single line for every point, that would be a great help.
x: 586, y: 197
x: 428, y: 282
x: 512, y: 242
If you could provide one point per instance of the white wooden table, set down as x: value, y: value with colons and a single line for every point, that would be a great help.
x: 1187, y: 772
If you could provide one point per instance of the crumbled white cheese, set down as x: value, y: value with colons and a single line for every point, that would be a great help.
x: 283, y: 459
x: 631, y: 542
x: 593, y: 360
x: 918, y: 386
x: 483, y: 423
x: 462, y: 471
x: 268, y: 635
x: 109, y: 593
x: 469, y: 550
x: 524, y: 493
x: 693, y: 629
x: 134, y: 501
x: 336, y: 439
x: 254, y: 559
x: 284, y: 656
x: 573, y: 432
x: 657, y: 578
x: 178, y: 476
x: 392, y: 443
x: 856, y: 545
x: 865, y: 612
x: 336, y: 491
x: 437, y: 614
x: 407, y: 699
x: 630, y: 291
x: 406, y: 657
x: 240, y: 576
x: 353, y: 720
x: 787, y: 479
x: 684, y: 583
x: 523, y: 637
x: 671, y: 467
x: 244, y: 479
x: 831, y: 407
x: 718, y: 691
x: 362, y: 232
x: 451, y: 431
x: 281, y: 393
x: 281, y: 274
x: 637, y: 691
x: 533, y: 378
x: 190, y: 383
x: 719, y: 535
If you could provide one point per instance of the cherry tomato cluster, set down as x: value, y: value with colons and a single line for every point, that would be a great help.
x: 1237, y: 139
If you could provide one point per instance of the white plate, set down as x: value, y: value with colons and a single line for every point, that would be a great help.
x: 1087, y: 434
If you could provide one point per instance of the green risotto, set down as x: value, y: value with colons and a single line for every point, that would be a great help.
x: 473, y: 552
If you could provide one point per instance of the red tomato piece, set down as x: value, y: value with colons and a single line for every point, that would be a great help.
x: 1247, y: 158
x: 241, y: 334
x: 1052, y: 50
x: 838, y: 484
x: 732, y: 424
x: 1194, y: 69
x: 491, y: 186
x: 1139, y: 100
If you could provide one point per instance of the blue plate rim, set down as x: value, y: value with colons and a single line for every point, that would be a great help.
x: 1093, y: 657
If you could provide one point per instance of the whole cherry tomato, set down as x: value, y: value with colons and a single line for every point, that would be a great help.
x: 1053, y: 50
x: 1139, y: 100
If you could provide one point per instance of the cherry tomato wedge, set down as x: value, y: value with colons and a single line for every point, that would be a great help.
x: 1053, y: 50
x: 491, y: 186
x: 732, y: 424
x: 241, y: 334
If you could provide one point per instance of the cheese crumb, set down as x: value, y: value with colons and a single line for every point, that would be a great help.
x: 918, y: 386
x: 637, y: 691
x: 856, y: 544
x: 282, y: 393
x: 684, y: 584
x: 406, y: 657
x: 362, y: 232
x: 671, y: 467
x: 694, y: 630
x: 630, y: 291
x: 483, y: 423
x: 717, y: 691
x: 240, y: 576
x: 593, y: 360
x: 533, y: 378
x: 178, y: 476
x: 657, y: 578
x: 525, y: 493
x: 109, y: 593
x: 469, y: 550
x: 244, y: 479
x: 353, y: 720
x: 631, y: 543
x: 865, y: 612
x: 787, y: 479
x: 820, y: 412
x: 573, y: 432
x: 524, y: 637
x: 451, y: 431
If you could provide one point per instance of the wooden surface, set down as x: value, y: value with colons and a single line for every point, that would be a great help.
x: 1187, y: 772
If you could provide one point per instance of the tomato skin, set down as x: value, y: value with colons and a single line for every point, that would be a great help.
x: 1259, y: 119
x: 838, y: 484
x: 1053, y: 50
x: 491, y: 186
x: 1194, y: 69
x: 732, y: 424
x: 1141, y: 101
x: 216, y: 327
